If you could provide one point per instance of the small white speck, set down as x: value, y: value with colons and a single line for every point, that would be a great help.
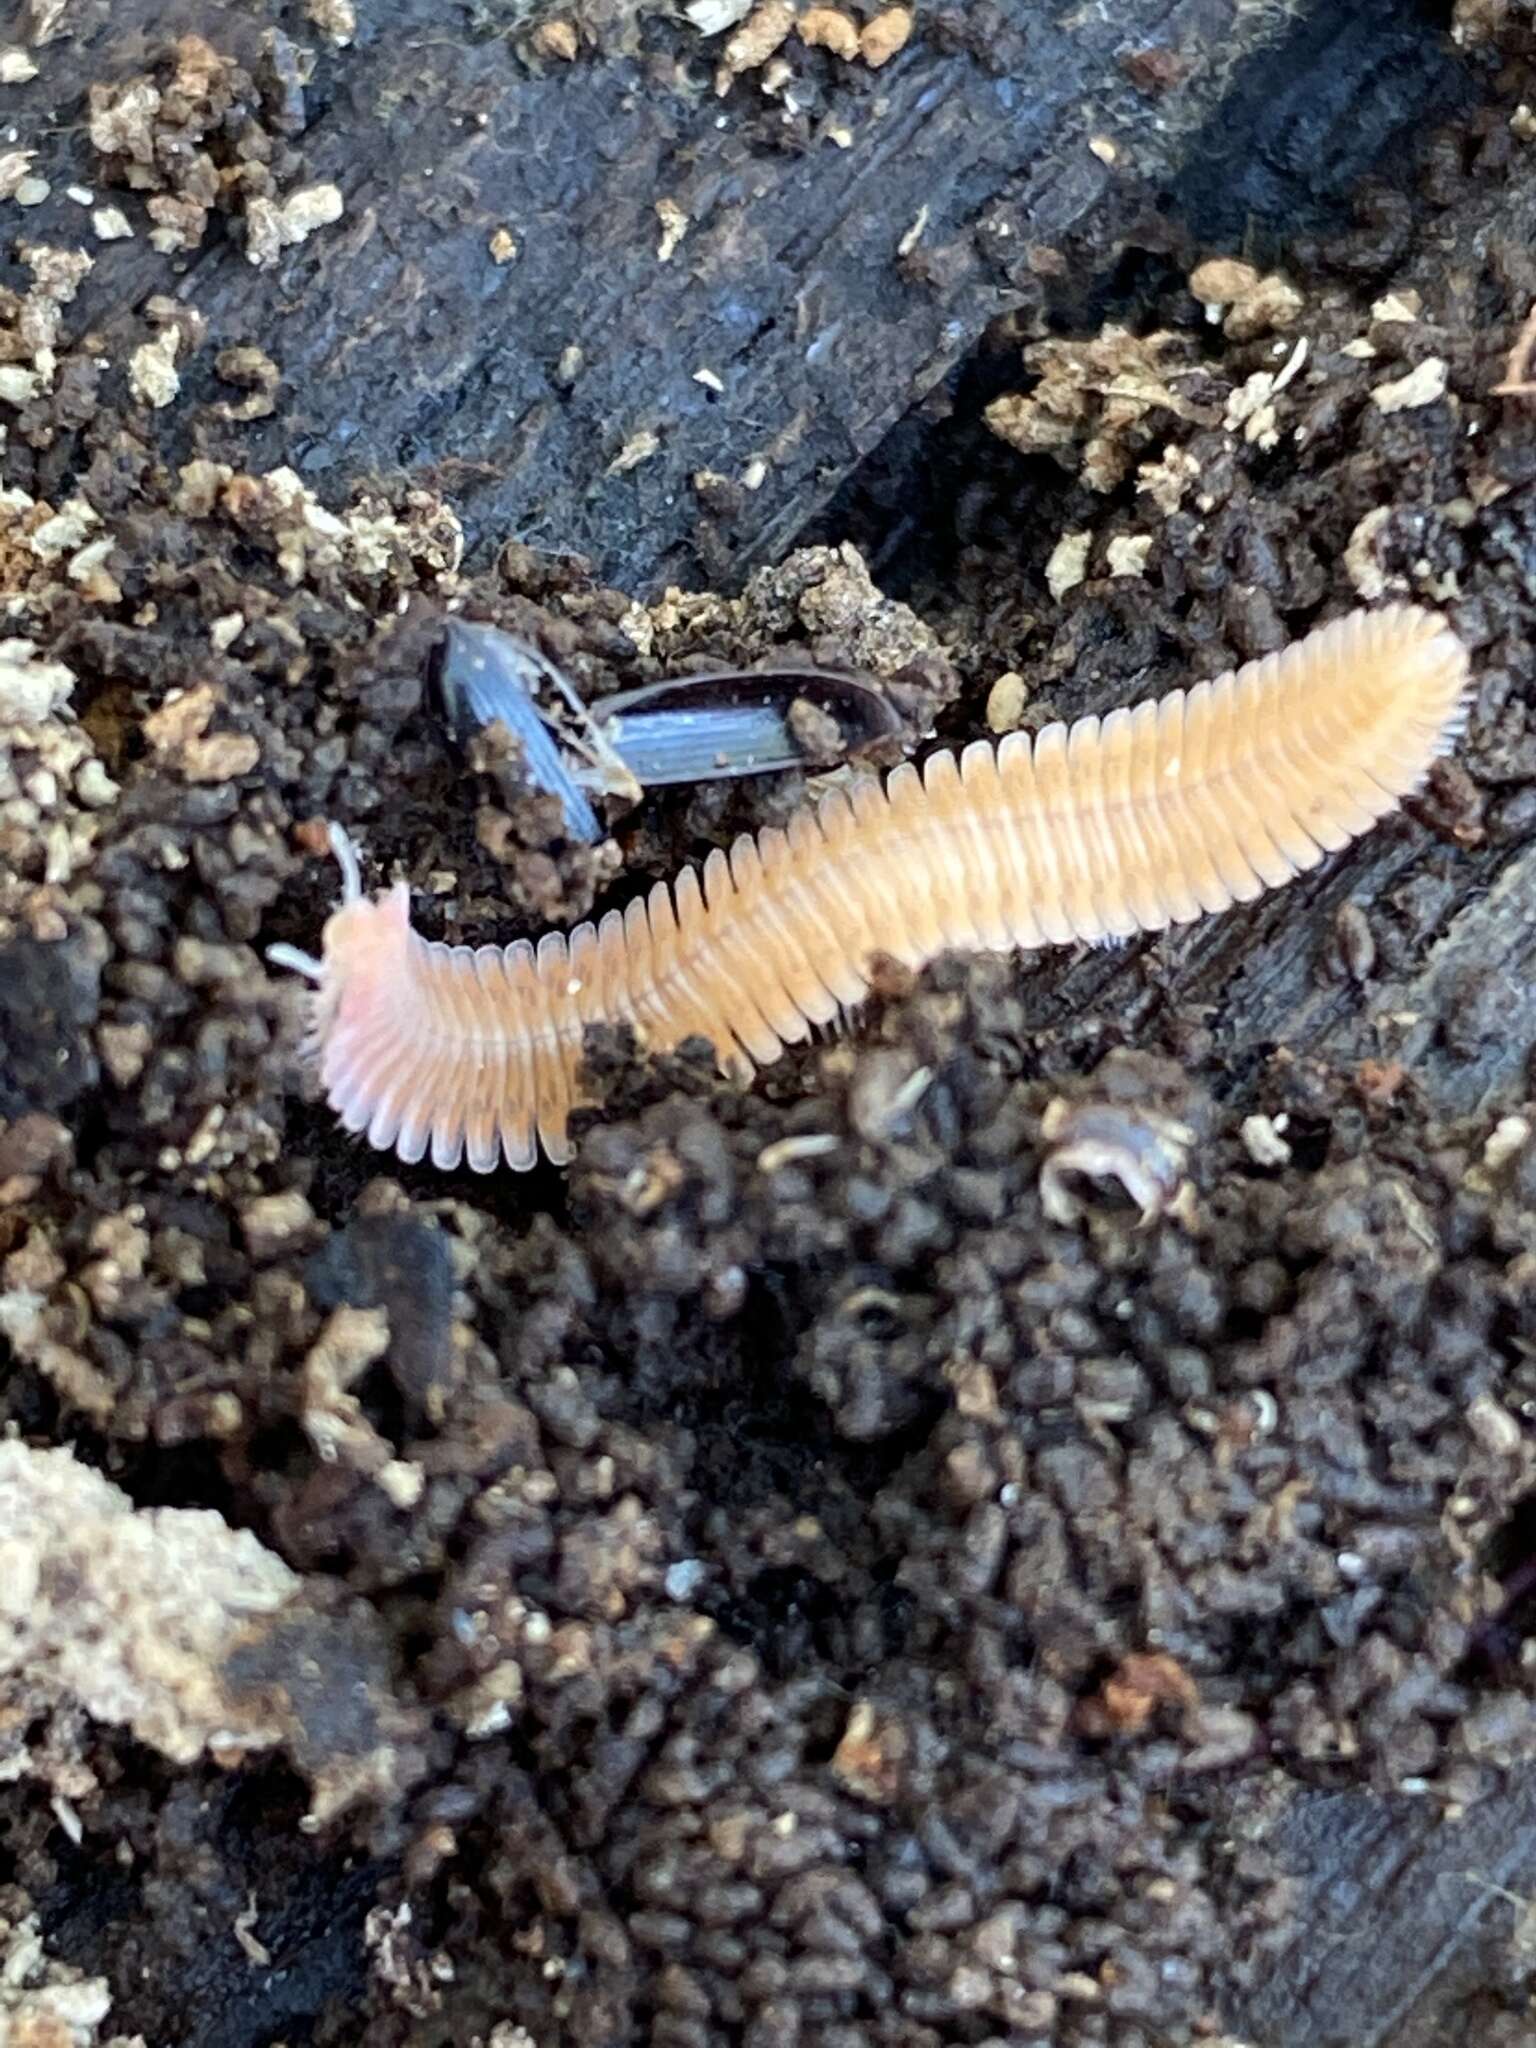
x: 684, y: 1578
x: 573, y: 988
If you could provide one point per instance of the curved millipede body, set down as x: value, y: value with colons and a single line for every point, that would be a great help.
x: 1111, y: 826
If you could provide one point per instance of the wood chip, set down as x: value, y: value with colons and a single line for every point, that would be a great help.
x: 764, y: 29
x: 1263, y: 1142
x: 637, y: 449
x: 1068, y: 565
x: 1361, y: 562
x: 674, y: 225
x: 1127, y: 554
x: 557, y: 39
x: 1398, y: 306
x: 914, y: 233
x: 1222, y: 281
x: 13, y: 169
x: 884, y: 34
x: 1005, y: 702
x: 152, y: 376
x: 335, y: 18
x: 1422, y: 385
x: 714, y: 17
x: 828, y: 28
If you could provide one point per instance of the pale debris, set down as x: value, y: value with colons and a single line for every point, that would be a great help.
x: 1127, y: 554
x: 335, y: 18
x: 1423, y: 385
x: 1245, y: 303
x: 14, y: 164
x: 640, y: 447
x: 1068, y: 564
x: 557, y: 39
x: 1507, y: 1138
x: 914, y: 233
x: 1477, y: 21
x: 1362, y: 564
x: 714, y: 17
x: 30, y: 689
x: 45, y: 2003
x: 1251, y: 406
x: 178, y: 733
x: 273, y: 225
x: 372, y: 540
x: 152, y: 373
x: 111, y: 224
x: 675, y: 223
x: 1005, y: 702
x: 1499, y: 1432
x: 1264, y: 1140
x: 759, y: 36
x: 884, y: 34
x: 352, y: 1340
x: 1098, y: 395
x: 1220, y: 281
x: 129, y: 1613
x: 1166, y: 481
x: 61, y: 532
x: 48, y: 19
x: 828, y: 28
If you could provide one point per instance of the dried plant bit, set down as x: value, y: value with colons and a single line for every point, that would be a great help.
x: 1144, y: 1153
x: 1518, y: 381
x: 484, y: 674
x: 1141, y: 820
x: 733, y: 722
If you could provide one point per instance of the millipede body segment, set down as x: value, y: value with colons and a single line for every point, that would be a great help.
x: 1094, y: 831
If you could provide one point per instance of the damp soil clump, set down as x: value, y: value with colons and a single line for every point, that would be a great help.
x: 826, y: 1569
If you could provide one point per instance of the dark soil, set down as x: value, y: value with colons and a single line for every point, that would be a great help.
x: 801, y: 1591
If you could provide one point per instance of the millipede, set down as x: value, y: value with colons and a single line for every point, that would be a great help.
x: 1091, y: 832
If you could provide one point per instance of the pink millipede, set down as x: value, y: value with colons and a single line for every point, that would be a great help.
x: 1130, y: 823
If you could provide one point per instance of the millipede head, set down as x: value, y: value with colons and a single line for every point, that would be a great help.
x: 362, y: 943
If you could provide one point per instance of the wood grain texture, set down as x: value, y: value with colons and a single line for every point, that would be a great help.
x: 404, y: 348
x: 1403, y: 1921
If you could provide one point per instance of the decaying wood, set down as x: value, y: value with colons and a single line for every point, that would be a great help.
x: 556, y: 395
x: 1404, y: 1921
